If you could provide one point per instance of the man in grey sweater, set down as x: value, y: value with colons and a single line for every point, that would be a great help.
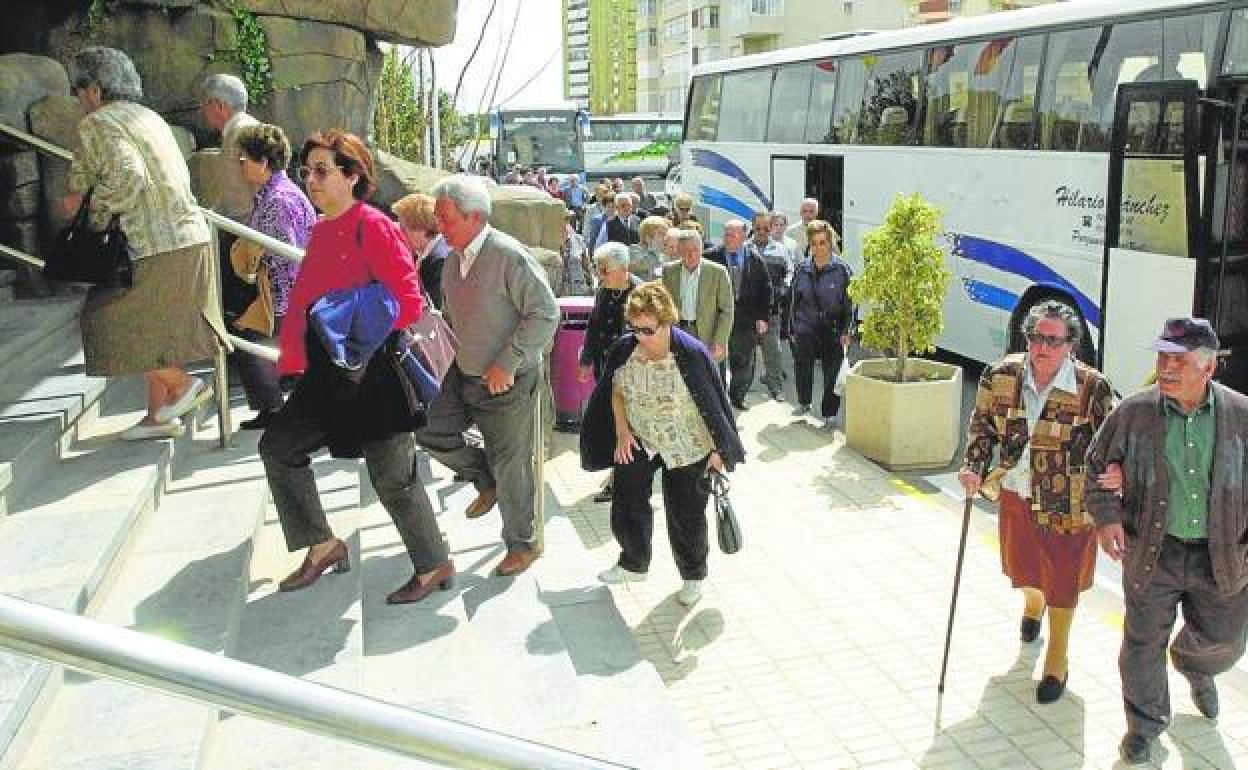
x: 503, y: 312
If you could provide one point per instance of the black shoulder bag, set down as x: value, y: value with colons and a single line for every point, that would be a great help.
x: 82, y: 255
x: 727, y: 528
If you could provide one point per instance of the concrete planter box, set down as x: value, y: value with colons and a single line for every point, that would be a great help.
x: 904, y: 424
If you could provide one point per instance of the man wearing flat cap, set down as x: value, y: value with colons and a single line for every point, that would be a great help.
x: 1166, y: 486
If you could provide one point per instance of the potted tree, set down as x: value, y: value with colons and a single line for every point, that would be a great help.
x: 903, y: 411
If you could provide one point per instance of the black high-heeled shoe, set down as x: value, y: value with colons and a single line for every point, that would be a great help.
x: 1051, y: 688
x: 337, y: 560
x: 1029, y: 629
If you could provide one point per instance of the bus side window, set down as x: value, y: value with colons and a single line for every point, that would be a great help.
x: 892, y: 82
x: 1066, y: 107
x: 822, y: 99
x: 790, y: 99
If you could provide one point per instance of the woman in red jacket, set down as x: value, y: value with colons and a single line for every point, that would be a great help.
x: 351, y: 245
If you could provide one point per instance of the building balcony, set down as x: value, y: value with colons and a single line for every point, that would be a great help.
x: 755, y: 25
x: 703, y: 36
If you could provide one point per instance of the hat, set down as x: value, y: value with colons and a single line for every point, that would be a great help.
x: 1180, y: 335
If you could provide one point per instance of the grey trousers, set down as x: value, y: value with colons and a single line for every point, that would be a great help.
x: 286, y: 447
x: 506, y: 459
x: 1210, y: 642
x: 773, y: 361
x: 741, y: 359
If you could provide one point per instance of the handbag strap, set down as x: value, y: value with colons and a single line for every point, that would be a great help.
x: 84, y: 209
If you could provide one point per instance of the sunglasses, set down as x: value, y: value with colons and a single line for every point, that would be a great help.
x: 321, y: 171
x: 645, y: 331
x: 1047, y: 340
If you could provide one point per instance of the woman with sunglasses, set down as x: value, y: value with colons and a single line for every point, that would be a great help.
x: 1039, y: 410
x: 659, y: 406
x: 352, y: 246
x: 281, y: 211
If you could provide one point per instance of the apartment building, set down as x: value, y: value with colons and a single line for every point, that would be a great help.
x: 932, y: 11
x: 576, y: 52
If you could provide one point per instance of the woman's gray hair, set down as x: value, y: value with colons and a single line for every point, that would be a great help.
x: 1051, y: 308
x: 108, y: 68
x: 689, y: 236
x: 227, y: 89
x: 467, y: 192
x: 612, y: 255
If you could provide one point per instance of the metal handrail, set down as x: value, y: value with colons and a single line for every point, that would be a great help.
x: 148, y: 661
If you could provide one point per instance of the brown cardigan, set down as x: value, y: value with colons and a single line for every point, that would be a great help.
x: 1063, y: 433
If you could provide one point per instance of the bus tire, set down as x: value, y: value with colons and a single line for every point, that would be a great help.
x: 1018, y: 344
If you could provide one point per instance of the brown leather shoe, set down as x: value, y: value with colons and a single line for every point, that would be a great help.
x: 516, y: 561
x: 483, y: 504
x: 337, y: 560
x: 413, y: 590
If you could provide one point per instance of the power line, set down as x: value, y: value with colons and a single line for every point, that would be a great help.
x: 480, y: 38
x: 535, y: 76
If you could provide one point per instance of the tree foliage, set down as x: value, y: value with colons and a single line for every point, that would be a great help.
x: 402, y: 118
x: 903, y: 281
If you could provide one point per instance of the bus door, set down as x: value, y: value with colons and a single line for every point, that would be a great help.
x: 788, y: 183
x: 1150, y: 259
x: 825, y: 182
x: 1222, y: 289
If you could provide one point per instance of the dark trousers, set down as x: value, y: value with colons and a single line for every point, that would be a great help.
x: 506, y: 459
x: 741, y: 347
x: 260, y: 379
x: 828, y: 351
x: 286, y: 447
x: 632, y: 517
x: 1210, y: 642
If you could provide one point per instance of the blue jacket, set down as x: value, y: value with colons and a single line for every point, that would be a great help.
x: 815, y: 292
x: 353, y: 323
x: 701, y: 376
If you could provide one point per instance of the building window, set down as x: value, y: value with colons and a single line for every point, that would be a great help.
x: 676, y: 28
x: 955, y: 6
x: 647, y: 7
x: 648, y: 37
x: 744, y: 8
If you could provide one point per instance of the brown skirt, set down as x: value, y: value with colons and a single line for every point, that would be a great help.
x: 1060, y: 566
x: 170, y: 317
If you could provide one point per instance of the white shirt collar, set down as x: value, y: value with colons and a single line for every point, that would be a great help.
x: 429, y: 246
x: 1063, y: 380
x: 694, y: 273
x: 471, y: 251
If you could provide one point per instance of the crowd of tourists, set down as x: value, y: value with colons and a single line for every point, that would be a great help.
x: 676, y: 328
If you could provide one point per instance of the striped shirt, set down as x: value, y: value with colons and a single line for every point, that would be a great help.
x: 132, y: 161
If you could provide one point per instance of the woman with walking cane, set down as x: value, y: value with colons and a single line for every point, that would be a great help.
x: 1041, y: 410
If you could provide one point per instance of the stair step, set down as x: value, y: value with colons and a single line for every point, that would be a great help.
x: 29, y: 328
x: 60, y: 547
x: 41, y: 412
x: 184, y: 580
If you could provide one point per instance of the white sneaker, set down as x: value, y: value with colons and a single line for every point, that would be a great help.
x: 198, y: 393
x: 144, y: 430
x: 690, y: 593
x: 618, y: 574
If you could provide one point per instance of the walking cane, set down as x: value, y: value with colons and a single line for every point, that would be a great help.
x: 953, y: 600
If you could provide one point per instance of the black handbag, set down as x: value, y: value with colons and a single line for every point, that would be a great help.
x: 727, y: 528
x: 81, y: 255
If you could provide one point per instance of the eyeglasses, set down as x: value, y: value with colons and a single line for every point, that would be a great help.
x: 645, y: 331
x: 1047, y: 340
x: 320, y: 171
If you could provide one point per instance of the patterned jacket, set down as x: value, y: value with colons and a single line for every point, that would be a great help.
x: 1062, y: 436
x: 1135, y: 436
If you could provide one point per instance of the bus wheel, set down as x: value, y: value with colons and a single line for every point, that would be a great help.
x: 1018, y: 343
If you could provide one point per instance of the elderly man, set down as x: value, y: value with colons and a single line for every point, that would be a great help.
x: 621, y: 228
x: 504, y: 313
x: 645, y: 199
x: 778, y: 257
x: 809, y: 212
x: 703, y: 293
x: 751, y: 289
x: 1169, y: 503
x: 223, y: 108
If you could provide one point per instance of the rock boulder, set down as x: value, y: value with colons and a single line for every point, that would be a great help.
x: 407, y: 22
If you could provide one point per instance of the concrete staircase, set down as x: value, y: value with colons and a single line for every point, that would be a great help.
x: 177, y: 538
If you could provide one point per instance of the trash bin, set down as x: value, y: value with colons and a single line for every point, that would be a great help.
x: 570, y: 395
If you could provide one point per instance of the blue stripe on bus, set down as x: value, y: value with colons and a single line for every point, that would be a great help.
x: 987, y: 294
x: 722, y: 200
x: 715, y: 162
x: 1008, y: 259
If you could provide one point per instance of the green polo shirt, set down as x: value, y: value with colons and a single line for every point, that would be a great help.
x: 1189, y: 461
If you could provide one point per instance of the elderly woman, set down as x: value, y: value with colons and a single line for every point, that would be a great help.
x: 820, y: 319
x: 647, y: 256
x: 682, y: 211
x: 659, y: 405
x: 577, y: 276
x: 132, y: 167
x: 420, y: 228
x: 1041, y: 410
x: 282, y: 211
x: 352, y: 245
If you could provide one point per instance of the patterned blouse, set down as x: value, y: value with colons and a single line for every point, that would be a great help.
x: 661, y: 412
x: 131, y: 160
x: 284, y: 212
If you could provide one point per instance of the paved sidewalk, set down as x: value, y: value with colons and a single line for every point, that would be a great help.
x: 818, y: 646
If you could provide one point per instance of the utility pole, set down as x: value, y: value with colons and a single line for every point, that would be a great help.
x: 435, y: 108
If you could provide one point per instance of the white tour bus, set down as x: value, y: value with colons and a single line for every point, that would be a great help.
x: 1083, y: 150
x: 632, y: 144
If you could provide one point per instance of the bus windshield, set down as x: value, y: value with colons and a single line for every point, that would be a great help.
x: 545, y: 138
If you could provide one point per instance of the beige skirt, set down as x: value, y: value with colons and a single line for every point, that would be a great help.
x: 170, y: 317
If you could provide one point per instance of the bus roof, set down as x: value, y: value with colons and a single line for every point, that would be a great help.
x: 637, y: 117
x: 547, y: 107
x: 1037, y: 18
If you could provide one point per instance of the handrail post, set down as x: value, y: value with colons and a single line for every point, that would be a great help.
x: 539, y: 463
x: 221, y: 372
